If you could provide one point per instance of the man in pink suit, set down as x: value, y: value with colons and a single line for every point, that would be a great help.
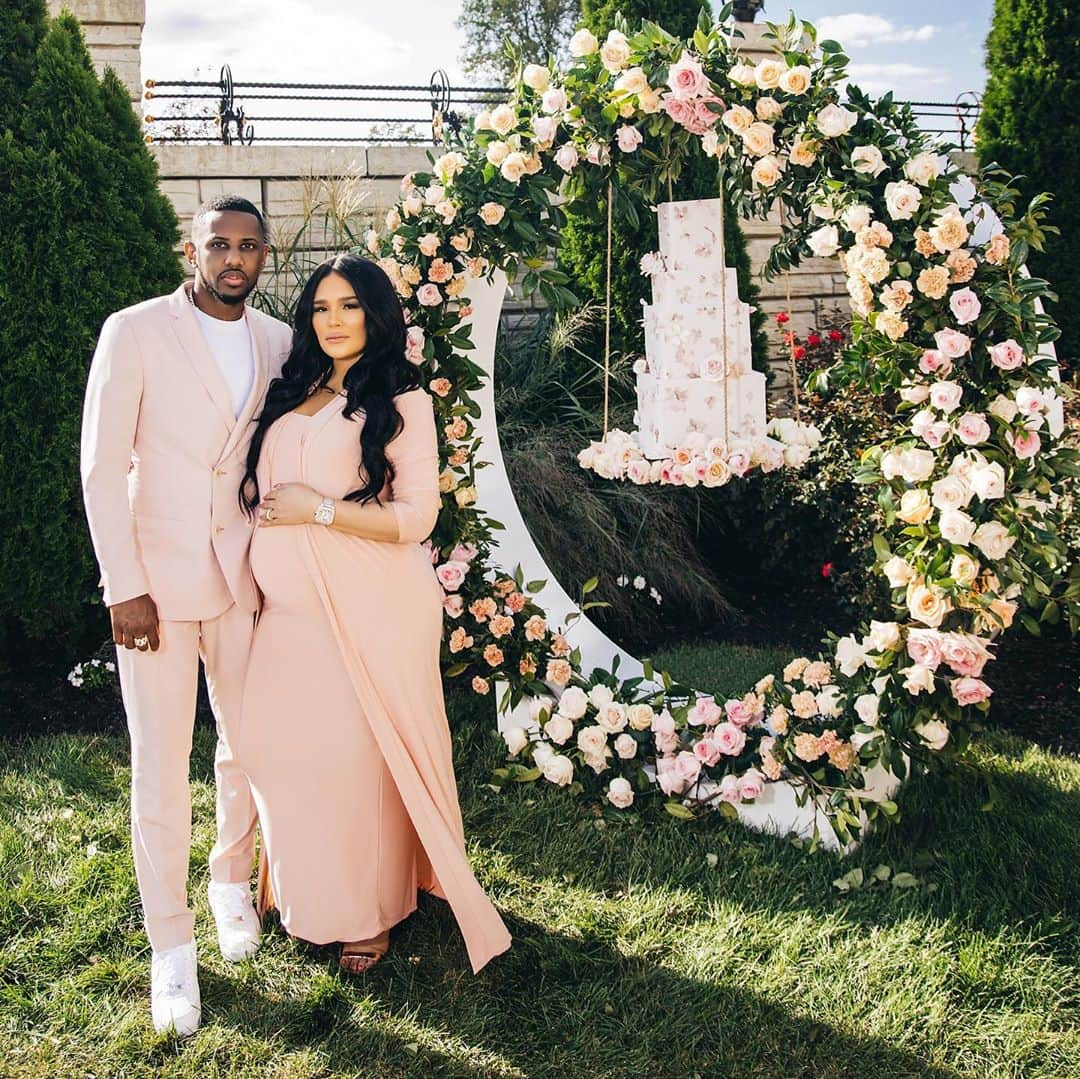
x: 174, y: 386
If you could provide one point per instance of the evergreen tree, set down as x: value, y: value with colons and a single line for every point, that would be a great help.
x: 582, y: 251
x: 87, y: 232
x: 22, y: 26
x: 538, y: 29
x: 1028, y: 125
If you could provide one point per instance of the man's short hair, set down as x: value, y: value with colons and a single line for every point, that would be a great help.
x: 220, y: 204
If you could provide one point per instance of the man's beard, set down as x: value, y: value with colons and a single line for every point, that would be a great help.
x: 228, y: 300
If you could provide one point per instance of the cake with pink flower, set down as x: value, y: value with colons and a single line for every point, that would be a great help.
x: 695, y: 383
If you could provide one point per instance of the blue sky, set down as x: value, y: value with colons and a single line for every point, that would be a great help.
x: 923, y: 50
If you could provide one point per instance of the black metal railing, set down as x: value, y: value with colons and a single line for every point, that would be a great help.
x: 194, y: 111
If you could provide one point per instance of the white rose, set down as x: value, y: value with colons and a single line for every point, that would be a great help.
x: 620, y: 794
x: 558, y: 770
x: 434, y: 194
x: 555, y: 100
x: 543, y: 703
x: 626, y: 746
x: 898, y: 572
x: 916, y: 465
x: 615, y: 52
x: 993, y: 539
x: 834, y: 121
x: 1004, y: 408
x: 742, y: 74
x: 934, y: 732
x: 497, y: 152
x: 559, y: 729
x: 573, y: 702
x: 767, y: 74
x: 867, y: 707
x: 964, y: 569
x: 924, y: 168
x: 918, y: 679
x: 536, y: 77
x: 513, y: 167
x: 956, y: 527
x: 516, y: 739
x: 632, y: 81
x: 950, y: 493
x: 989, y: 481
x: 796, y: 80
x: 583, y: 44
x: 856, y: 217
x: 884, y: 636
x: 829, y: 702
x: 824, y: 242
x: 600, y: 696
x: 767, y: 108
x: 850, y: 656
x: 592, y: 740
x: 640, y: 716
x: 867, y: 161
x: 902, y: 200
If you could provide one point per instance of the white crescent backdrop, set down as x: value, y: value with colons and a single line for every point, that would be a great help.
x: 777, y: 810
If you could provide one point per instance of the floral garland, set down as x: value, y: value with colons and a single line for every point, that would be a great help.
x: 954, y: 326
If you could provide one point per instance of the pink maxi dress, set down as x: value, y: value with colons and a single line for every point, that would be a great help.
x: 343, y: 732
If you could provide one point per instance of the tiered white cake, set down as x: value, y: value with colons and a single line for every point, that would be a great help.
x: 697, y: 340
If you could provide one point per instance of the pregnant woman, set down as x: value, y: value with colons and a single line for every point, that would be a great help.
x: 343, y: 731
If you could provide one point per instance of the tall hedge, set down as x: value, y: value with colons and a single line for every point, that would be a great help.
x: 1029, y: 126
x: 22, y: 26
x: 86, y: 232
x: 582, y: 252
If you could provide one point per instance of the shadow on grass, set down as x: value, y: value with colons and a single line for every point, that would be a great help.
x: 552, y: 1006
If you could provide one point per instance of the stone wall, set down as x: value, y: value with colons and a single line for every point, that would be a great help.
x: 113, y: 30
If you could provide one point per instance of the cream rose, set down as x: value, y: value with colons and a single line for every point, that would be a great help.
x: 796, y: 80
x: 926, y: 604
x: 632, y: 81
x: 767, y: 108
x: 502, y: 119
x: 993, y: 539
x: 536, y: 77
x: 767, y: 74
x: 824, y: 242
x: 902, y: 200
x: 583, y: 44
x: 956, y: 527
x: 619, y: 793
x: 867, y: 160
x: 915, y: 506
x: 803, y: 153
x: 898, y: 572
x: 758, y: 139
x: 964, y: 569
x: 491, y: 213
x: 558, y: 770
x: 615, y: 52
x: 923, y: 169
x: 766, y: 171
x: 834, y: 121
x: 738, y: 118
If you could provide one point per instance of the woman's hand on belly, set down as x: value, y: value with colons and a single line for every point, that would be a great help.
x: 289, y: 504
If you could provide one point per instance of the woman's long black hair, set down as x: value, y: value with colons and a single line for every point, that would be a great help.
x: 371, y: 384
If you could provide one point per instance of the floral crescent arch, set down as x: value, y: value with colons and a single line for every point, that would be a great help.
x: 947, y: 320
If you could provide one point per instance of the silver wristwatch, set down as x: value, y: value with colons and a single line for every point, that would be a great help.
x: 324, y: 515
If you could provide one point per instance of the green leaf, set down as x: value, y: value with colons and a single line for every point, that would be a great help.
x: 679, y: 811
x: 905, y: 880
x: 590, y: 585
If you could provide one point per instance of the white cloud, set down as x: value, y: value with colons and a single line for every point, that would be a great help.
x: 857, y: 29
x: 908, y: 81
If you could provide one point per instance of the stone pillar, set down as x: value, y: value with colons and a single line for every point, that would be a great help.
x: 113, y: 30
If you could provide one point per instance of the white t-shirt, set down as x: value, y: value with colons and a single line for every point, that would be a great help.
x: 230, y: 343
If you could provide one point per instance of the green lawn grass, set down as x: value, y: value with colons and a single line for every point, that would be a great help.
x: 646, y: 949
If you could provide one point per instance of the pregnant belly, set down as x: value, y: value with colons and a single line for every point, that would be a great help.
x: 279, y: 570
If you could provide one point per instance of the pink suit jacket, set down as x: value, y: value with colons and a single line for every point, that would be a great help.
x: 163, y: 456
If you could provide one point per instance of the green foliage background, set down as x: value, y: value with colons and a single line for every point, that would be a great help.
x: 86, y: 232
x: 1029, y: 126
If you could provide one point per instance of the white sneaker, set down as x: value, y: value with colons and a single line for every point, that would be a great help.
x: 174, y: 991
x: 238, y: 928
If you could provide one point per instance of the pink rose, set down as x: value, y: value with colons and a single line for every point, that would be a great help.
x: 454, y: 605
x: 1025, y: 443
x: 544, y: 127
x: 686, y: 78
x: 704, y: 116
x: 972, y: 429
x: 670, y: 781
x: 682, y: 112
x: 463, y: 552
x: 952, y: 343
x: 739, y: 712
x: 414, y: 345
x: 967, y: 691
x: 707, y: 751
x: 567, y: 157
x: 729, y: 790
x: 451, y: 575
x: 687, y: 767
x: 429, y: 295
x: 730, y: 739
x: 933, y: 362
x: 965, y: 653
x: 739, y: 462
x: 1007, y: 355
x: 925, y: 647
x: 628, y: 138
x: 751, y: 784
x: 965, y: 306
x: 705, y: 713
x: 946, y: 396
x: 663, y: 729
